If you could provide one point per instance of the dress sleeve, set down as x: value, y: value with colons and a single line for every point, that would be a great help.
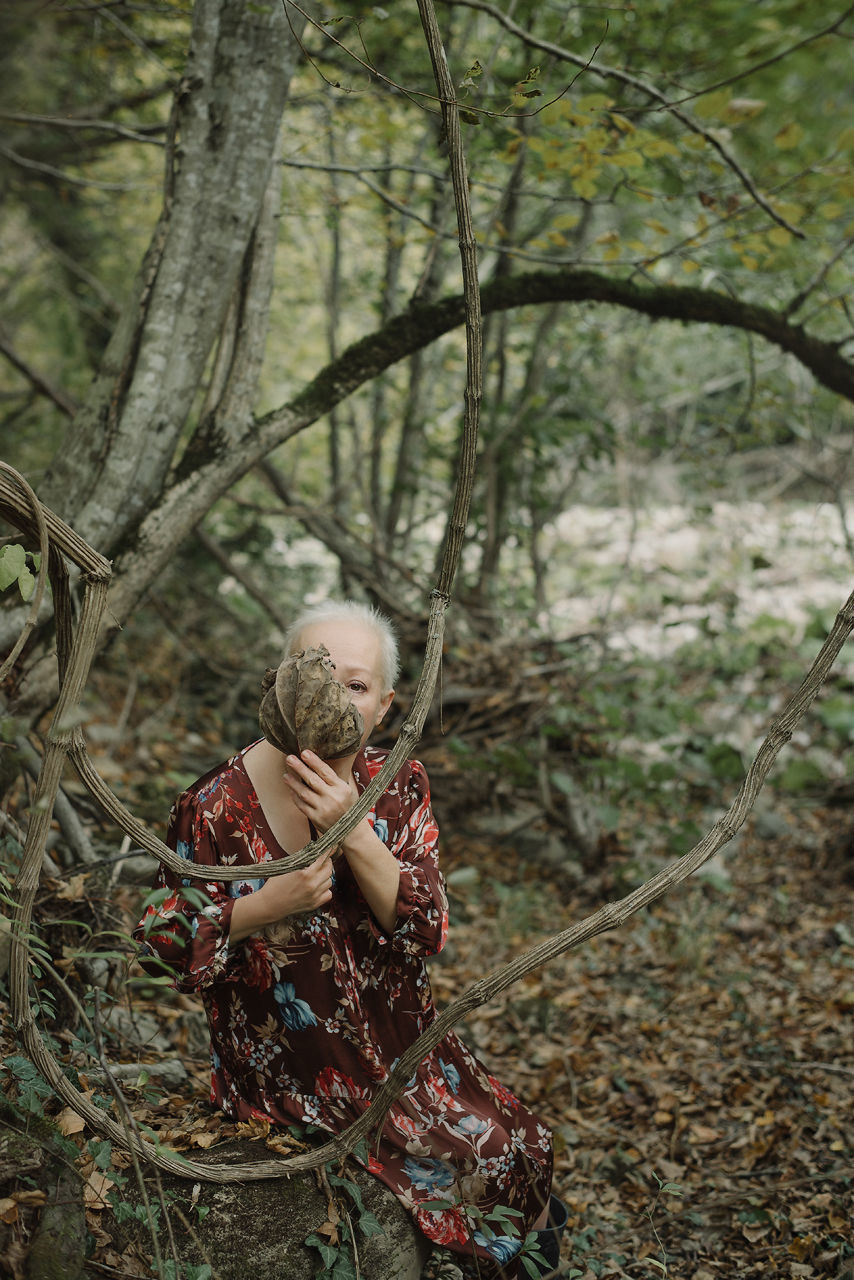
x: 422, y: 904
x: 185, y: 926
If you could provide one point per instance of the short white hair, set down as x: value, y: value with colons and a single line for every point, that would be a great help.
x: 351, y: 611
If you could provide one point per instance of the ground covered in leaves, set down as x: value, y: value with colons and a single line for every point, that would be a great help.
x: 696, y: 1065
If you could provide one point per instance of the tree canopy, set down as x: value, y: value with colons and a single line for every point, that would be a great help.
x: 232, y: 299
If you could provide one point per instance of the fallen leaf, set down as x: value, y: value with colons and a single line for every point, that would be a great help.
x: 15, y: 1257
x: 68, y: 1122
x: 801, y: 1247
x: 8, y: 1210
x: 330, y: 1230
x: 753, y: 1231
x: 95, y: 1190
x: 72, y: 890
x: 30, y: 1197
x: 701, y: 1133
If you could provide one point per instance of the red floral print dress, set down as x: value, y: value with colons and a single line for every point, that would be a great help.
x: 308, y: 1019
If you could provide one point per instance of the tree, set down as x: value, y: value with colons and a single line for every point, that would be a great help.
x: 593, y: 184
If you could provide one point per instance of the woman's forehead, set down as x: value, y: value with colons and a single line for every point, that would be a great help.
x: 350, y: 643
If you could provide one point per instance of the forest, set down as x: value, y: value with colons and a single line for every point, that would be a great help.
x: 550, y: 360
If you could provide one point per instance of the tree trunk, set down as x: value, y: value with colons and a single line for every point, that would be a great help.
x: 225, y: 123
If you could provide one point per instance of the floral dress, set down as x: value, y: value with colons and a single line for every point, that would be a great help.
x: 308, y: 1018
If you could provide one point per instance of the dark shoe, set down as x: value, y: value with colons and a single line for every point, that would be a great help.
x: 548, y: 1240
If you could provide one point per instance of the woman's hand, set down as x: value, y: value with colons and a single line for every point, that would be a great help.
x: 282, y: 896
x: 318, y: 791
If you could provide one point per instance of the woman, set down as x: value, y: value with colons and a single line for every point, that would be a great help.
x: 314, y: 983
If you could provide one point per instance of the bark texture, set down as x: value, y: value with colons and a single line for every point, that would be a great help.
x: 226, y: 119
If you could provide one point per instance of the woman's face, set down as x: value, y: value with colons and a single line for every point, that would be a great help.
x: 354, y: 648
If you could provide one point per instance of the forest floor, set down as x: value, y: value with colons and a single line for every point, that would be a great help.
x: 697, y: 1064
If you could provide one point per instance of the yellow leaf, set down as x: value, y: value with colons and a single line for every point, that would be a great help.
x: 712, y: 105
x: 558, y: 238
x: 626, y: 159
x: 607, y: 237
x: 595, y: 102
x: 556, y: 111
x: 789, y: 136
x: 566, y: 221
x: 779, y: 236
x: 749, y: 262
x: 659, y: 147
x: 584, y: 186
x: 611, y: 253
x: 690, y: 266
x: 789, y: 210
x: 655, y: 225
x: 832, y: 210
x: 624, y: 125
x: 845, y: 141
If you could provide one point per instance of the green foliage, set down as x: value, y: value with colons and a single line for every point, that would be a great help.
x: 339, y: 1259
x: 31, y: 1089
x: 15, y: 569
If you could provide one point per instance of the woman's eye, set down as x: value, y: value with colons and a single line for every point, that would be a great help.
x: 357, y: 686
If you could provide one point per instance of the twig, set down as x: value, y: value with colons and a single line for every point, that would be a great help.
x: 81, y: 122
x: 37, y: 166
x: 72, y: 828
x: 44, y: 551
x: 41, y: 384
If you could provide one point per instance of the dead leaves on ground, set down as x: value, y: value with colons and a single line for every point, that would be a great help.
x: 697, y: 1069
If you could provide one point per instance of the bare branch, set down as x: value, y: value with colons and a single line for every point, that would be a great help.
x: 37, y: 166
x: 37, y: 380
x: 832, y: 29
x: 820, y: 275
x: 103, y: 126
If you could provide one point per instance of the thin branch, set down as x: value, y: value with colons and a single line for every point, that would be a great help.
x: 66, y: 815
x: 37, y: 166
x: 252, y: 588
x: 41, y: 384
x: 74, y: 122
x: 766, y: 62
x: 41, y: 529
x: 132, y: 36
x: 819, y: 277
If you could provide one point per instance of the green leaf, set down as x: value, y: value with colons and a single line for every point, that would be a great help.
x: 369, y: 1225
x: 327, y: 1251
x: 13, y: 562
x: 26, y: 584
x: 801, y: 774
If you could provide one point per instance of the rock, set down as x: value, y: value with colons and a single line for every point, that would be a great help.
x: 258, y: 1229
x: 769, y: 825
x: 58, y: 1249
x: 135, y: 1030
x: 169, y: 1072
